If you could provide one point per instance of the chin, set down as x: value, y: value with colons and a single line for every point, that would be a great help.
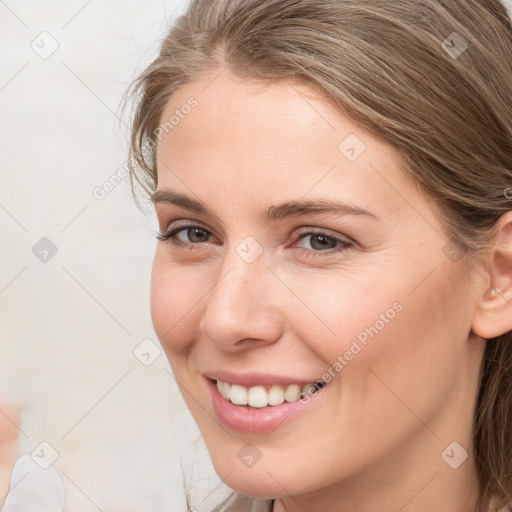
x: 266, y: 489
x: 255, y: 481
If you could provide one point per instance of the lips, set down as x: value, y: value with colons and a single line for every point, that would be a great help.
x: 261, y: 390
x: 262, y: 419
x: 256, y: 379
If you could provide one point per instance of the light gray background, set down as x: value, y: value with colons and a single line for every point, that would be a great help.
x: 68, y: 326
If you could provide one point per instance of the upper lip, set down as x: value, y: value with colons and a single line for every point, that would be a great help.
x: 254, y: 379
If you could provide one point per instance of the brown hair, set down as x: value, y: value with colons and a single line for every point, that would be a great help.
x: 433, y: 79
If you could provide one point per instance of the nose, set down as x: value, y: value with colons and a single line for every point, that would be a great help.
x: 242, y: 308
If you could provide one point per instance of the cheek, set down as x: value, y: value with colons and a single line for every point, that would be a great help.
x: 341, y: 312
x: 176, y: 293
x: 384, y: 334
x: 413, y: 366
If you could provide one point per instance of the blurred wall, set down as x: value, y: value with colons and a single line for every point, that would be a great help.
x: 75, y: 265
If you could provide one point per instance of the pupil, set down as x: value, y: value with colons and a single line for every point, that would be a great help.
x: 194, y: 232
x: 320, y: 237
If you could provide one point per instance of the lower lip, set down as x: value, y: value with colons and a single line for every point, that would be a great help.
x: 255, y: 420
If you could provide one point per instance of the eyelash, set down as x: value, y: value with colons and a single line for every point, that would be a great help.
x: 344, y: 244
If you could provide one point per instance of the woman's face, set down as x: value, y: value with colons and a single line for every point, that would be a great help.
x: 303, y: 253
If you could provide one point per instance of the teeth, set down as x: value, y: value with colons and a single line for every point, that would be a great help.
x: 275, y: 395
x: 258, y: 396
x: 292, y: 393
x: 238, y: 395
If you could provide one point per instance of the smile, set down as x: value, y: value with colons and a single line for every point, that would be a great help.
x: 257, y: 404
x: 262, y: 396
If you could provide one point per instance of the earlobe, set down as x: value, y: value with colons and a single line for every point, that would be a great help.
x: 493, y: 316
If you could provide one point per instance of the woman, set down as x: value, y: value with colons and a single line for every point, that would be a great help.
x: 333, y: 279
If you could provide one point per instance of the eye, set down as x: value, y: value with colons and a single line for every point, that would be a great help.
x: 191, y: 236
x: 322, y: 243
x: 186, y: 235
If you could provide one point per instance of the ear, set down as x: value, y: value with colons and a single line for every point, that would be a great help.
x: 493, y: 316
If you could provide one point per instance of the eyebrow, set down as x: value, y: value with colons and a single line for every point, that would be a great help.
x: 287, y: 209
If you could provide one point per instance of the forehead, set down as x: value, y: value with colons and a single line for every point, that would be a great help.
x: 230, y: 109
x: 272, y: 139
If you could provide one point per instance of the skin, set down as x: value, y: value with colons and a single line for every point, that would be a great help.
x: 384, y: 421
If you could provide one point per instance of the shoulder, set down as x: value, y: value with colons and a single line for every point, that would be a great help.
x: 238, y: 502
